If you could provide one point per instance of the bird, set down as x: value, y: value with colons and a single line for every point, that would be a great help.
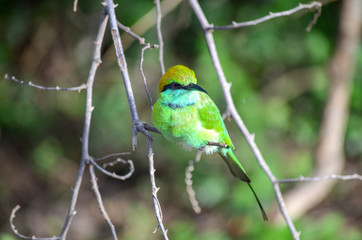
x: 185, y: 113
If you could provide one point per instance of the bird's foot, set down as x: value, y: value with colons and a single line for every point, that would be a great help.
x: 218, y: 144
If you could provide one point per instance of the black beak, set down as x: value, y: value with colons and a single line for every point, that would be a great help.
x: 193, y: 86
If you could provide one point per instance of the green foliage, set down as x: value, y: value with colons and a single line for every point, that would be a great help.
x: 181, y: 230
x: 45, y: 155
x: 331, y: 226
x: 5, y: 236
x: 211, y: 190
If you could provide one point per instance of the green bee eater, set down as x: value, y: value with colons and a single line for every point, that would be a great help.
x: 185, y: 113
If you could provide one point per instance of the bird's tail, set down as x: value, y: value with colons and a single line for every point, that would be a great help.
x: 234, y: 165
x: 238, y: 171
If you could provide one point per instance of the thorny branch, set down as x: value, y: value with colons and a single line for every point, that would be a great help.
x: 155, y: 189
x: 141, y: 40
x: 56, y: 88
x: 113, y: 174
x: 313, y: 179
x: 100, y: 202
x: 231, y: 110
x: 111, y: 155
x: 85, y: 138
x: 188, y: 180
x: 138, y: 126
x: 310, y: 6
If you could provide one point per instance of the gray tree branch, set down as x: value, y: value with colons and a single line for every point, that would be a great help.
x: 313, y: 5
x: 138, y: 126
x: 231, y: 110
x: 56, y: 88
x: 85, y: 138
x: 159, y: 35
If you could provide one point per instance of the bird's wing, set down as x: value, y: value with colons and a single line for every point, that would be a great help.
x: 210, y: 118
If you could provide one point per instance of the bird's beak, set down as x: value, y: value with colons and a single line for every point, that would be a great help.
x: 195, y: 87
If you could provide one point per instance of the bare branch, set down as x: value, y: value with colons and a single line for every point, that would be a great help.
x: 75, y: 5
x: 154, y: 188
x: 313, y: 179
x: 150, y: 19
x: 12, y: 225
x: 117, y: 161
x: 100, y: 202
x: 113, y: 174
x: 79, y: 88
x: 112, y: 155
x: 126, y: 29
x: 85, y: 138
x: 223, y: 145
x: 141, y: 40
x: 87, y: 120
x: 188, y: 181
x: 313, y: 5
x: 121, y: 60
x: 315, y: 19
x: 235, y: 115
x: 159, y: 35
x: 148, y: 46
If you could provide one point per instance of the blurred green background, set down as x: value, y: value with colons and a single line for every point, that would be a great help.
x: 279, y: 85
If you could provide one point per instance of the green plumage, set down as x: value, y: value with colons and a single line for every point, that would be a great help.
x: 185, y: 113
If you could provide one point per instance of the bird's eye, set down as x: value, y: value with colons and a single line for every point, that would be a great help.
x: 175, y: 85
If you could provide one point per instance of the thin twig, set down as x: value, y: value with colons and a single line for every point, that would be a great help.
x: 56, y: 88
x: 100, y: 202
x: 143, y: 74
x: 313, y: 179
x: 117, y: 161
x: 159, y: 35
x: 310, y: 6
x: 75, y: 4
x: 315, y: 18
x: 113, y: 174
x: 85, y: 138
x: 235, y: 115
x: 112, y: 155
x: 13, y: 228
x: 223, y: 145
x: 140, y: 39
x: 155, y: 189
x: 138, y: 126
x: 188, y: 180
x: 149, y: 19
x: 121, y: 60
x: 126, y: 29
x: 87, y: 120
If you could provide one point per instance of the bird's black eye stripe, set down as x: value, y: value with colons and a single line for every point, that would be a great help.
x: 190, y: 87
x: 168, y: 86
x: 176, y: 85
x: 173, y: 85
